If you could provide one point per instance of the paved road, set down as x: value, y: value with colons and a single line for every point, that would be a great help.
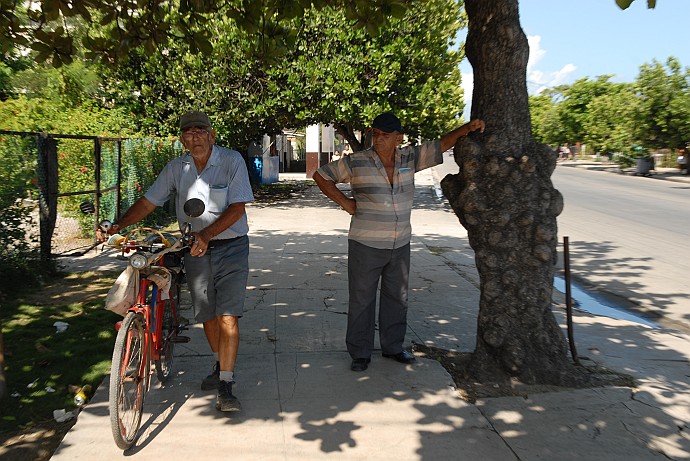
x: 628, y: 237
x: 629, y: 228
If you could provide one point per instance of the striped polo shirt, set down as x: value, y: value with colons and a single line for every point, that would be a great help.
x: 382, y: 219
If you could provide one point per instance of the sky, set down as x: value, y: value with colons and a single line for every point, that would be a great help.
x: 574, y: 39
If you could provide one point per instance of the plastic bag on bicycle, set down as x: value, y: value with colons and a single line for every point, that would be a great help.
x: 123, y: 293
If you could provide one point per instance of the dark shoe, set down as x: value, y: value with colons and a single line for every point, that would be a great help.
x: 402, y: 357
x: 360, y: 364
x: 225, y: 400
x: 212, y: 380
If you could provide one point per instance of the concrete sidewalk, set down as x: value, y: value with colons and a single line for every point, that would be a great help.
x: 301, y: 401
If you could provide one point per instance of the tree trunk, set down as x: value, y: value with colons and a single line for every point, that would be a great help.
x: 347, y: 131
x: 504, y: 197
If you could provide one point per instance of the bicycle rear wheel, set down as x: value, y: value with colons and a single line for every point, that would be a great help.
x: 127, y: 383
x: 164, y: 362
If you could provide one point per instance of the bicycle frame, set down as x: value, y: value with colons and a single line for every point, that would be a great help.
x: 148, y: 301
x: 150, y: 306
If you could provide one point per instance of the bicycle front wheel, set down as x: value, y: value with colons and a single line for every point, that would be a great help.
x: 169, y: 330
x: 127, y: 380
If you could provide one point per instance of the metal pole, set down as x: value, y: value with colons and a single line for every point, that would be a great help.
x: 568, y: 300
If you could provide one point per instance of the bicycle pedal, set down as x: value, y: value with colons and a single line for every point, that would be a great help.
x: 180, y: 339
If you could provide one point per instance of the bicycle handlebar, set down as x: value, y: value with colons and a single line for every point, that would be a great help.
x: 148, y: 252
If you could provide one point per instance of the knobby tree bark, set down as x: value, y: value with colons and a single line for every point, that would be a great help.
x: 504, y: 197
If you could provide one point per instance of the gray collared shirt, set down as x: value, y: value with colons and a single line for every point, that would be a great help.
x: 222, y: 182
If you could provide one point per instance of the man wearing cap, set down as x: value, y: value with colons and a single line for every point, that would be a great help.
x: 217, y: 265
x: 382, y: 184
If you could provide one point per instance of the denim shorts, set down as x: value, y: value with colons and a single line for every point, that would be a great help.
x: 217, y: 281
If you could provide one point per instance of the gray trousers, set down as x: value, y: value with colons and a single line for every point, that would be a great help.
x: 366, y: 266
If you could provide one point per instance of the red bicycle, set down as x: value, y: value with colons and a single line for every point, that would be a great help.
x: 149, y: 292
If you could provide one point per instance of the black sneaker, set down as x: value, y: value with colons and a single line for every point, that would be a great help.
x: 226, y: 401
x: 212, y: 380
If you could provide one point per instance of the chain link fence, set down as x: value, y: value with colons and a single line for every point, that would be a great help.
x: 56, y: 188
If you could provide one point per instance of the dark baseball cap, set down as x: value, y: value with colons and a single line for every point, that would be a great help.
x: 194, y: 118
x: 388, y: 123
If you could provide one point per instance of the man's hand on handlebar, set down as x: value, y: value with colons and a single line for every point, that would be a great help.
x: 199, y: 243
x: 105, y: 229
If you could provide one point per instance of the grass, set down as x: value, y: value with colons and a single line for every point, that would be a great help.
x: 44, y: 368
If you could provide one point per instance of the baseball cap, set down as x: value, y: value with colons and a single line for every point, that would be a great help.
x: 388, y: 123
x: 194, y: 118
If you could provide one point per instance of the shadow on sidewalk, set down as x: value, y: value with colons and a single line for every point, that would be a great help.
x: 300, y: 400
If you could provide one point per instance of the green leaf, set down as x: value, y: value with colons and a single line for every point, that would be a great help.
x: 624, y: 4
x: 66, y: 9
x: 51, y: 9
x: 204, y: 45
x: 40, y: 47
x: 108, y: 17
x: 398, y: 10
x: 150, y: 46
x: 56, y: 62
x: 83, y: 11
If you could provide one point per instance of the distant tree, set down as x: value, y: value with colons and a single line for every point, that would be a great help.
x: 573, y: 102
x: 664, y: 104
x: 71, y: 84
x: 546, y: 126
x: 610, y: 123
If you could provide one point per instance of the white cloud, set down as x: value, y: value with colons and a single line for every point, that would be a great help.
x: 535, y: 51
x: 538, y: 80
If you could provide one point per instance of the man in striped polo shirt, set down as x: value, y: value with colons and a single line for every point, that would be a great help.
x: 382, y: 183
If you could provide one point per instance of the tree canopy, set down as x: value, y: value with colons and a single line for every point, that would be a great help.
x: 117, y: 27
x: 335, y: 73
